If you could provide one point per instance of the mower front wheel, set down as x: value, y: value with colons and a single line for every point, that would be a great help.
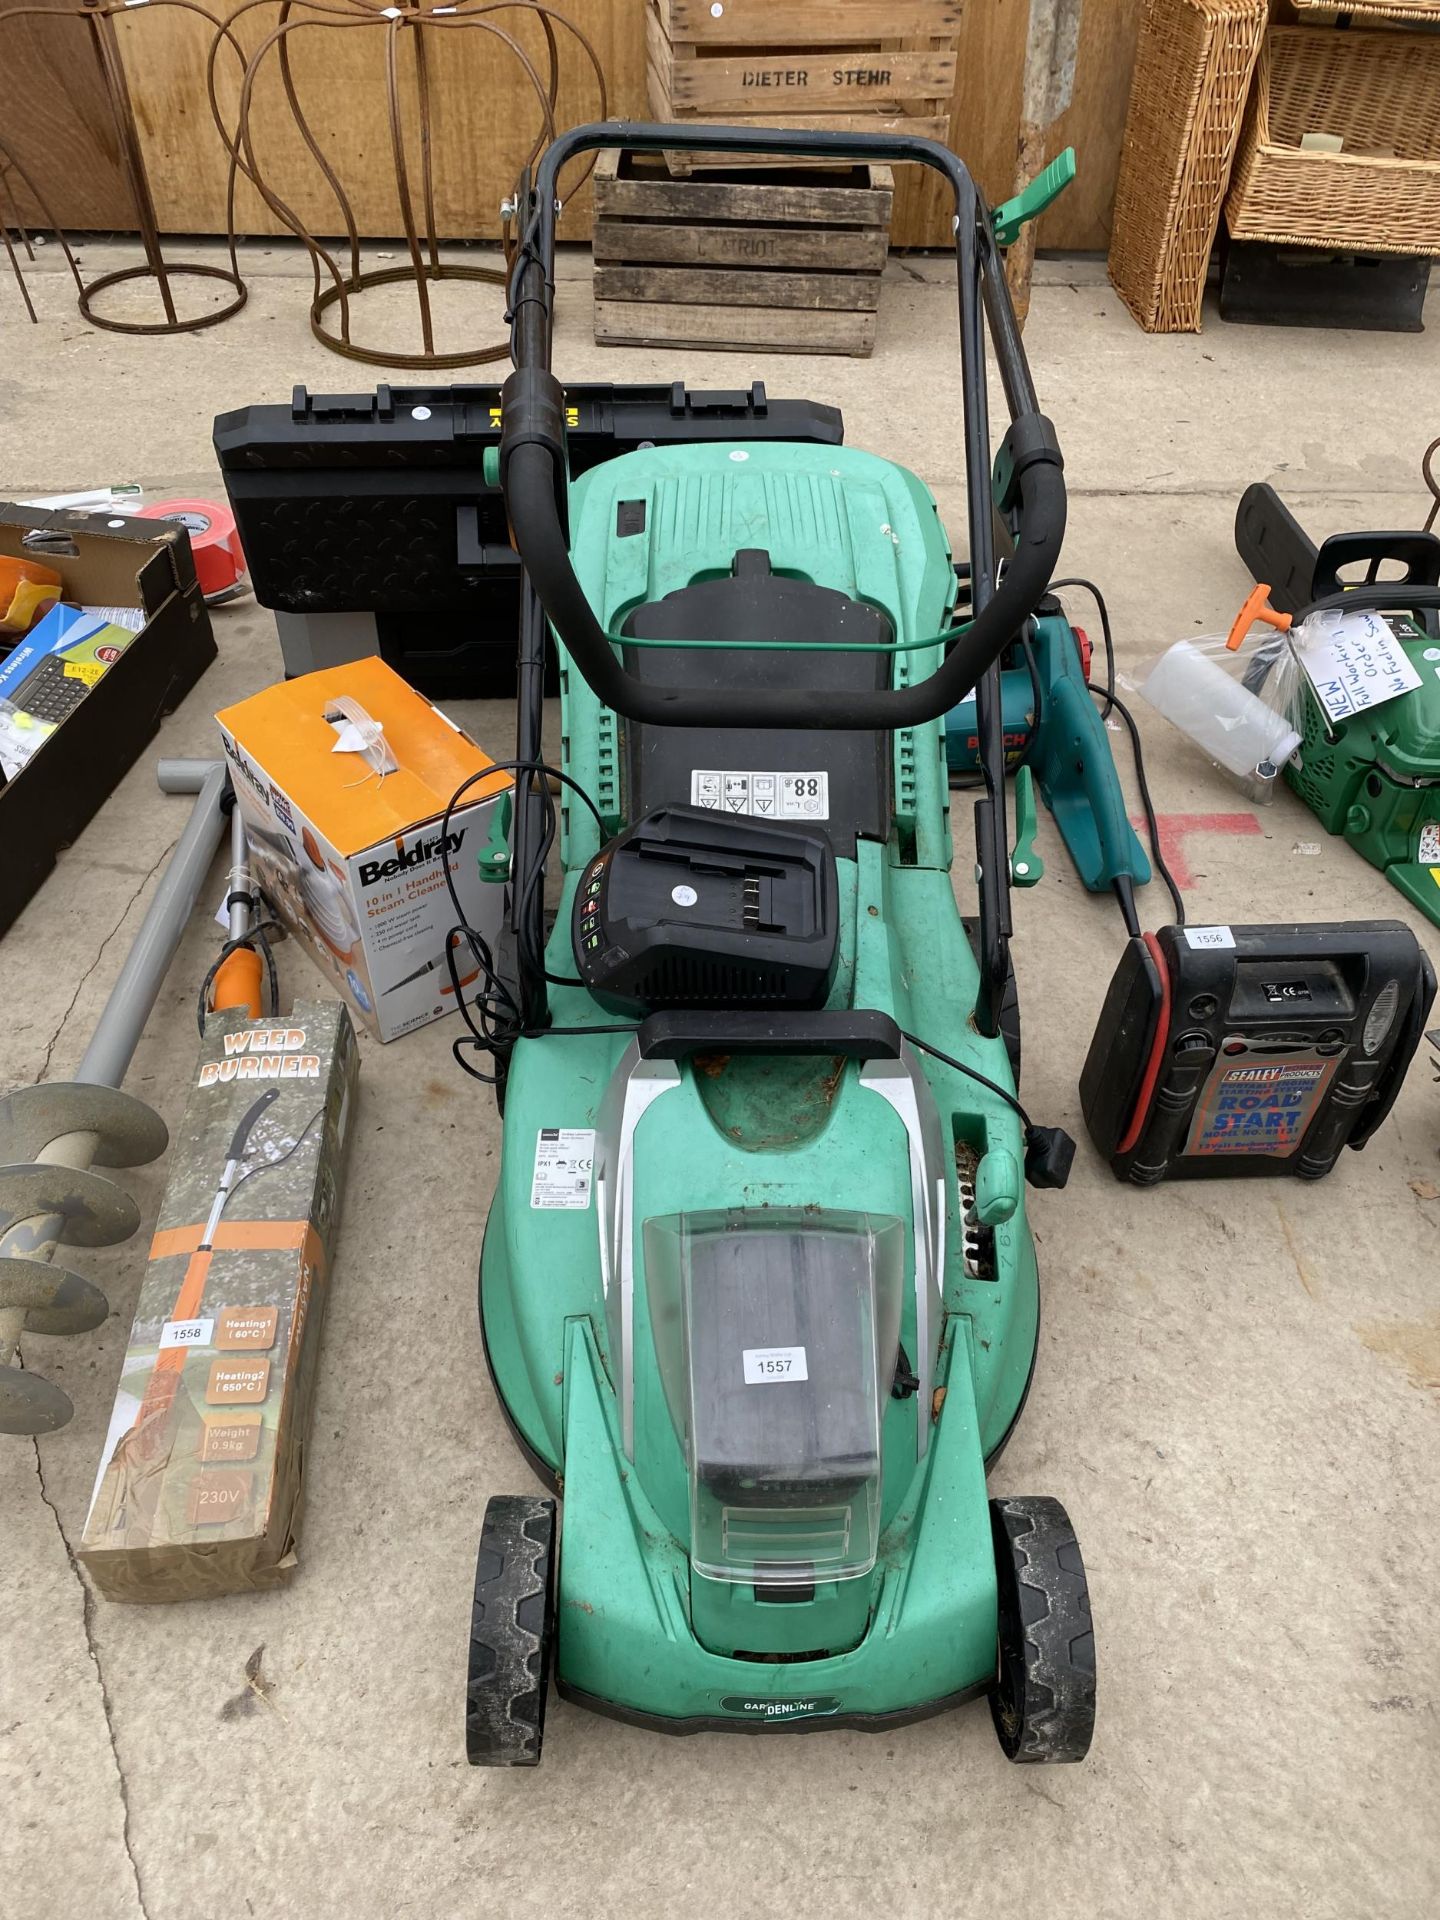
x: 512, y: 1633
x: 1043, y: 1700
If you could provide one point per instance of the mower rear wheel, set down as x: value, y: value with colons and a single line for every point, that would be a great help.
x: 512, y: 1632
x: 1043, y: 1700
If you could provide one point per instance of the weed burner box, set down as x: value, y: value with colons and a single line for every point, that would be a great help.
x: 200, y: 1484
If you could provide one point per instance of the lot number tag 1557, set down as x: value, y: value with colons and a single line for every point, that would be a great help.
x: 766, y: 1364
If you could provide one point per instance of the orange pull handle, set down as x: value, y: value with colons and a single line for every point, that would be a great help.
x: 1257, y: 607
x: 237, y: 984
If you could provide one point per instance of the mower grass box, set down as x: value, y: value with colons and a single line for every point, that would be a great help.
x: 344, y: 778
x: 200, y: 1486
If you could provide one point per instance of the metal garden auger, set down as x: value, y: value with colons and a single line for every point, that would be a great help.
x: 53, y: 1135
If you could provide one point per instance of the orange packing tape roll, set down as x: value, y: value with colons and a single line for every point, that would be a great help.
x: 219, y: 561
x: 26, y: 591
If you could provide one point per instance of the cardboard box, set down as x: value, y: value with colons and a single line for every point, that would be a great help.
x: 200, y: 1486
x: 141, y: 564
x: 345, y: 838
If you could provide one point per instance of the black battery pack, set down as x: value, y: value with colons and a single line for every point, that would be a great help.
x: 1252, y: 1050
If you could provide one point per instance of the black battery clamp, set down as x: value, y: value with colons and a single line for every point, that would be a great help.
x: 1252, y: 1050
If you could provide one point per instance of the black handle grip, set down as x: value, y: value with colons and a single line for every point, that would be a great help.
x: 1418, y: 553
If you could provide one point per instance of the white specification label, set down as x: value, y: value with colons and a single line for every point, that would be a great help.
x: 768, y: 796
x: 1428, y: 852
x: 764, y: 1364
x: 1209, y: 937
x: 564, y: 1164
x: 186, y: 1333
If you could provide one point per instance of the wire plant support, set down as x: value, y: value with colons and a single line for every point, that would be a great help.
x: 339, y: 278
x: 13, y: 227
x: 99, y: 16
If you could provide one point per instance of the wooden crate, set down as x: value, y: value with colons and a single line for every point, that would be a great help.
x: 790, y: 264
x: 865, y: 66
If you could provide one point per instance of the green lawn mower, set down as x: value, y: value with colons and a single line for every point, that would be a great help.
x: 758, y: 1292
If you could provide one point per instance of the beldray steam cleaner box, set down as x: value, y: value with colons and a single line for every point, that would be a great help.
x: 344, y: 777
x: 200, y: 1484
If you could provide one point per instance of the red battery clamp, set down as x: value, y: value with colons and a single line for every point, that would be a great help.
x: 1252, y: 1050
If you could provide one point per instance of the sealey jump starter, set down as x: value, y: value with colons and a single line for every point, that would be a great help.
x: 1252, y: 1050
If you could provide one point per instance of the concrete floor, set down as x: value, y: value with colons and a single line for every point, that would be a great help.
x: 1236, y: 1389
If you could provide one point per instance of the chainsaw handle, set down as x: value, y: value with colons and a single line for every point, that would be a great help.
x: 1027, y: 484
x: 1386, y: 596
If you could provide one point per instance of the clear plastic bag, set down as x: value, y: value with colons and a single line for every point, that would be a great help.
x: 1243, y: 706
x: 1244, y: 697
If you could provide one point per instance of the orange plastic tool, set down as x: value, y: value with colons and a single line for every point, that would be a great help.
x: 1256, y: 608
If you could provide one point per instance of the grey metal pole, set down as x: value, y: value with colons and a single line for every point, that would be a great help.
x: 183, y: 776
x: 117, y: 1032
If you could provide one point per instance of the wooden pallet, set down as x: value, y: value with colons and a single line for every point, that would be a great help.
x: 833, y: 65
x: 791, y: 264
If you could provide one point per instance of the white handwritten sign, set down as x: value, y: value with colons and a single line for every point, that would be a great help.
x: 1353, y: 661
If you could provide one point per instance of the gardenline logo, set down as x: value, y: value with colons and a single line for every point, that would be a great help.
x: 819, y: 1703
x: 373, y: 871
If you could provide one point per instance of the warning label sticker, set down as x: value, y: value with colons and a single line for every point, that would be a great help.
x: 767, y: 796
x: 1259, y: 1108
x: 564, y: 1164
x: 1428, y: 851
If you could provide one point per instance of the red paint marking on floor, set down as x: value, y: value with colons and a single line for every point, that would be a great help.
x: 1175, y: 829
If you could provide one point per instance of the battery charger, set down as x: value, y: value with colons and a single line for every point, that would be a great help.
x: 695, y: 908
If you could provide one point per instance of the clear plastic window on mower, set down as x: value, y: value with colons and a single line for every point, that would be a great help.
x: 776, y: 1332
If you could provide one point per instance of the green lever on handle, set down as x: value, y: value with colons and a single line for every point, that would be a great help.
x: 493, y: 859
x: 1027, y: 869
x: 1031, y: 202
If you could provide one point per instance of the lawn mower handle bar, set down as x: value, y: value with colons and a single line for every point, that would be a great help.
x: 1028, y: 480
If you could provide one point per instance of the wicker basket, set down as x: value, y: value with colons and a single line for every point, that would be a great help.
x: 1372, y: 10
x: 1193, y: 63
x: 1380, y: 92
